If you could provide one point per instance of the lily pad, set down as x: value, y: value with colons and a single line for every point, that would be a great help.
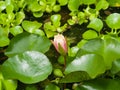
x: 100, y: 84
x: 75, y: 77
x: 113, y: 21
x: 28, y: 42
x: 115, y: 66
x: 95, y: 26
x: 63, y: 2
x: 28, y: 67
x: 31, y: 26
x: 73, y: 5
x: 90, y: 34
x: 86, y: 63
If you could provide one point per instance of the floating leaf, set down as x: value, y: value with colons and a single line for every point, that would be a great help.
x: 81, y: 43
x: 73, y: 5
x: 19, y: 17
x: 73, y: 50
x: 114, y: 3
x: 30, y: 26
x: 111, y: 50
x: 26, y: 42
x: 9, y: 8
x: 115, y: 66
x: 38, y: 14
x: 94, y: 46
x: 88, y: 2
x: 89, y: 63
x: 113, y: 21
x: 56, y: 20
x: 16, y: 30
x: 2, y: 5
x: 4, y: 41
x: 63, y: 2
x: 9, y: 84
x: 56, y: 8
x: 52, y: 87
x: 34, y: 6
x: 90, y: 34
x: 75, y: 77
x: 28, y: 67
x: 108, y: 48
x: 102, y: 4
x: 95, y: 26
x: 31, y: 87
x: 51, y: 2
x: 100, y: 84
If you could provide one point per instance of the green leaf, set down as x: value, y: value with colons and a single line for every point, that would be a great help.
x: 57, y: 72
x: 31, y: 87
x: 16, y: 30
x: 25, y: 41
x: 3, y: 18
x: 61, y: 59
x: 52, y: 87
x: 50, y: 33
x: 9, y: 8
x: 56, y: 20
x: 49, y: 9
x: 71, y: 21
x: 31, y: 26
x: 73, y: 50
x: 19, y: 17
x: 11, y: 17
x: 43, y: 3
x: 56, y: 8
x: 4, y: 41
x: 20, y: 3
x: 48, y: 26
x: 108, y: 48
x: 111, y: 50
x: 115, y: 66
x: 94, y: 46
x: 100, y: 84
x: 38, y: 14
x: 95, y: 26
x: 88, y: 2
x: 51, y: 2
x: 0, y: 85
x: 73, y: 5
x: 9, y: 84
x: 113, y: 21
x: 114, y: 3
x: 75, y: 77
x: 81, y: 43
x: 28, y: 67
x: 63, y: 2
x: 39, y: 32
x: 102, y: 4
x: 89, y: 63
x: 34, y: 6
x: 90, y: 34
x: 2, y: 5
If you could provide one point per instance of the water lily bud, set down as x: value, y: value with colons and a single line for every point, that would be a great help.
x: 60, y: 44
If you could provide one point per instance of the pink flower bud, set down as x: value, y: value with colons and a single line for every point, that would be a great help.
x: 60, y: 44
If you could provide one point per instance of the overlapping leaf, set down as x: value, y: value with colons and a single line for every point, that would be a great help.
x: 96, y: 56
x: 28, y: 67
x: 100, y: 84
x: 28, y: 42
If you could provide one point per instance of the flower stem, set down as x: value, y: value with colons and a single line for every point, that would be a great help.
x: 64, y: 69
x: 64, y: 62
